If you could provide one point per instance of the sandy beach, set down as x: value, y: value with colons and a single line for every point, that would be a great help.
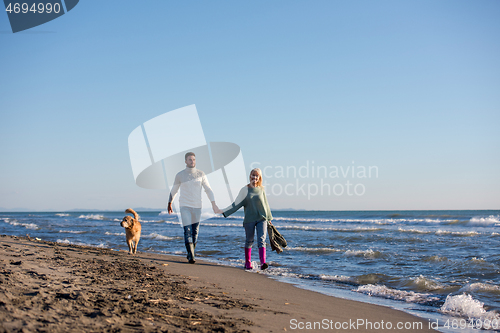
x: 53, y: 287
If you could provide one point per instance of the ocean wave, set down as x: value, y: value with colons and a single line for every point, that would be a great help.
x: 169, y: 222
x: 478, y: 260
x: 371, y: 278
x: 154, y: 235
x: 400, y: 295
x: 435, y: 258
x: 300, y: 219
x: 416, y: 231
x: 16, y: 223
x: 71, y: 232
x: 142, y: 221
x: 337, y: 278
x: 62, y: 214
x: 164, y: 212
x: 153, y: 221
x: 313, y: 249
x: 382, y: 221
x: 492, y: 219
x: 307, y: 228
x: 107, y: 233
x: 457, y: 233
x: 68, y: 242
x: 364, y: 253
x: 277, y: 271
x: 481, y: 287
x: 92, y: 217
x: 425, y: 284
x: 222, y: 225
x: 465, y: 306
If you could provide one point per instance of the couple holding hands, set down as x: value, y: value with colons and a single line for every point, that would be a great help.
x: 252, y: 197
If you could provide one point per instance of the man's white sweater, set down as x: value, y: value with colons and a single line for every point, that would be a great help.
x: 190, y: 181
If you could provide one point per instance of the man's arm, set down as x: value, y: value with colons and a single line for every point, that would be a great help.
x: 210, y: 193
x: 173, y: 193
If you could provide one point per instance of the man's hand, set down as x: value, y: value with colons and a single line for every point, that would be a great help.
x: 169, y: 209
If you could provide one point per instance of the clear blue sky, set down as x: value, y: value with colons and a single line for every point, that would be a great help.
x: 411, y: 87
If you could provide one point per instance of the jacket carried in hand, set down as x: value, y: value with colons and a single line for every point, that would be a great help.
x: 278, y: 242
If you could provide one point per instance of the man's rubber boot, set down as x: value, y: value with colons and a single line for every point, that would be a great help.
x: 190, y: 253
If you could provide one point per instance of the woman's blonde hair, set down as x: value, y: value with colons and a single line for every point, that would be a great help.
x: 259, y: 172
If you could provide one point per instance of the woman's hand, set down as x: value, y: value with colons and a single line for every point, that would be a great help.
x: 216, y: 208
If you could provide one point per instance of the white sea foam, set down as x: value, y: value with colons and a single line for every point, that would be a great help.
x: 413, y: 230
x: 427, y: 284
x: 309, y: 228
x: 277, y: 271
x: 299, y: 219
x: 16, y: 223
x: 338, y: 278
x: 171, y: 222
x: 457, y: 233
x: 313, y: 249
x: 92, y: 217
x: 476, y: 259
x: 62, y: 214
x: 480, y: 287
x: 363, y: 253
x: 492, y: 219
x: 407, y: 296
x: 205, y: 224
x: 67, y: 241
x: 114, y: 233
x: 71, y: 232
x: 465, y: 306
x: 236, y: 217
x: 154, y: 235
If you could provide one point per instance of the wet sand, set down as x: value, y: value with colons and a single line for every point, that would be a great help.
x: 53, y: 287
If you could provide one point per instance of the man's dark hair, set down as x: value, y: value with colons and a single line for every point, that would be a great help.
x: 189, y: 154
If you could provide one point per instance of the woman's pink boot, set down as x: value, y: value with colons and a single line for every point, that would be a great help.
x: 248, y: 258
x: 262, y: 256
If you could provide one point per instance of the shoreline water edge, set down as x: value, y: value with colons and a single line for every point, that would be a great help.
x: 442, y: 266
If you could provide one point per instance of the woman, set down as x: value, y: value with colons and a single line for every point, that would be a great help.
x: 257, y: 212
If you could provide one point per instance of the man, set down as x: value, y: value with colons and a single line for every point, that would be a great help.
x: 190, y: 181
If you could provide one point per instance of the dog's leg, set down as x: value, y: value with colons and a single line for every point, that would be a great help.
x: 135, y: 248
x: 130, y: 247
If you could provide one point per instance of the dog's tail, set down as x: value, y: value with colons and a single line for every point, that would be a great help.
x: 131, y: 211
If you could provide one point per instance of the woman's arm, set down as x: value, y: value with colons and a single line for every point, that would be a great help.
x: 238, y: 203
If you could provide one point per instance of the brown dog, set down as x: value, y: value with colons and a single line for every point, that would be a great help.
x: 132, y: 230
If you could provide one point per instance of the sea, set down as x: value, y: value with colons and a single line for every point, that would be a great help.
x: 443, y: 265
